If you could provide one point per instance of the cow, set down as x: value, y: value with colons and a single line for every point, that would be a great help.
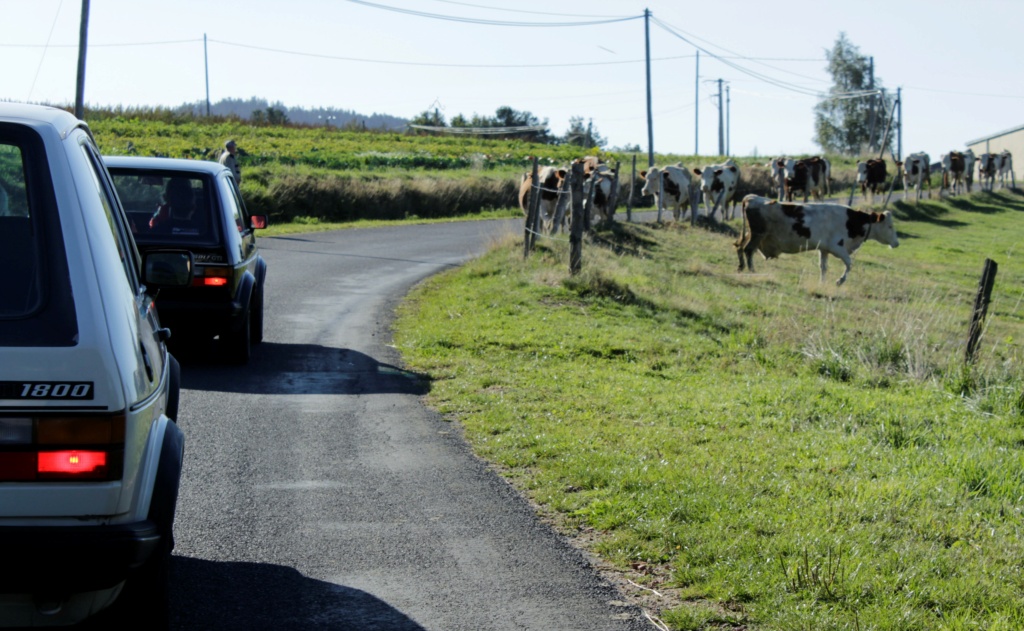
x: 720, y: 183
x: 952, y: 172
x: 917, y: 171
x: 809, y: 175
x: 602, y: 179
x: 550, y: 180
x: 775, y: 228
x: 677, y: 183
x: 1004, y: 169
x: 969, y: 160
x: 871, y: 176
x: 777, y: 168
x: 987, y: 171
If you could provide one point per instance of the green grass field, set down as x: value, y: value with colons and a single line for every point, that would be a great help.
x: 756, y: 451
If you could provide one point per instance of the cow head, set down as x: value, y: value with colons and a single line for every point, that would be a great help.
x: 883, y: 229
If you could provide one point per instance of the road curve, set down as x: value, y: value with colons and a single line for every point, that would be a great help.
x: 320, y: 493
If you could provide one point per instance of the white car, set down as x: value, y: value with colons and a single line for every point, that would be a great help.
x: 90, y: 454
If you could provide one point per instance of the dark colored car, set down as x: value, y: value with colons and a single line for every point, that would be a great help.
x: 195, y: 205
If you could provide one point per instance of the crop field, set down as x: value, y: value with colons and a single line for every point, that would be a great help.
x: 756, y: 451
x: 331, y: 175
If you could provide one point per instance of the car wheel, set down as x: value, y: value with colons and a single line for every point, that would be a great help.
x: 238, y: 343
x: 256, y: 317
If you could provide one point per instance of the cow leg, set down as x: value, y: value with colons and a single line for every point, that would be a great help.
x: 823, y: 263
x: 841, y: 253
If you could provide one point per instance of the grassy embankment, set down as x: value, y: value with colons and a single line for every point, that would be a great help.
x: 317, y: 178
x: 763, y: 450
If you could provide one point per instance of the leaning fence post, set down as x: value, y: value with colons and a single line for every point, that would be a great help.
x: 576, y: 230
x: 629, y: 200
x: 981, y: 300
x: 661, y: 193
x: 531, y: 214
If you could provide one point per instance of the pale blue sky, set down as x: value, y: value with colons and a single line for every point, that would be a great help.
x: 958, y: 63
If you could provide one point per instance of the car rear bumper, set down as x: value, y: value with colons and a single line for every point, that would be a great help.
x: 56, y: 559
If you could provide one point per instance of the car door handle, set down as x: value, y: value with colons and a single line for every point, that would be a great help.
x: 162, y: 335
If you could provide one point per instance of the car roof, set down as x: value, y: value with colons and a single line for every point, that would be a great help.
x: 164, y: 164
x: 61, y: 120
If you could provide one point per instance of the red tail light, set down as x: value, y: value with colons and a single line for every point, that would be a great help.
x: 75, y: 465
x: 215, y: 281
x: 61, y: 448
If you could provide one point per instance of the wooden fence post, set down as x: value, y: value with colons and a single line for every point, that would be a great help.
x: 661, y: 194
x: 576, y: 231
x: 613, y: 195
x: 981, y: 300
x: 629, y: 200
x: 531, y: 214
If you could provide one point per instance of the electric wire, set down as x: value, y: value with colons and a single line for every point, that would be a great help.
x: 45, y: 48
x: 453, y: 18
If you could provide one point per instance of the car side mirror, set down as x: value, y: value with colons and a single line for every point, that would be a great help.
x: 258, y: 222
x: 167, y: 268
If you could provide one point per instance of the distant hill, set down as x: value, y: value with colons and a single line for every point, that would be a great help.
x: 314, y: 117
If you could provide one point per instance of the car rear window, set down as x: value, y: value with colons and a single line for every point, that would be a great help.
x: 36, y: 306
x: 166, y: 208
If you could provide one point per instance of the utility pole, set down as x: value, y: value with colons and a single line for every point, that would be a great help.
x: 650, y: 116
x: 874, y: 100
x: 728, y: 100
x: 206, y: 64
x: 696, y: 107
x: 899, y: 126
x: 721, y: 129
x: 83, y: 38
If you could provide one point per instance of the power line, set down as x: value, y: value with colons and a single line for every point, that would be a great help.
x: 45, y: 47
x: 520, y: 11
x: 453, y: 18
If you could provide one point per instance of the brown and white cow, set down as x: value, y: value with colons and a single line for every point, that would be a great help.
x: 871, y: 176
x: 602, y: 179
x: 917, y: 170
x: 719, y: 182
x: 952, y: 172
x: 677, y: 183
x: 809, y: 175
x: 987, y: 171
x: 550, y: 180
x: 1004, y: 169
x: 775, y: 228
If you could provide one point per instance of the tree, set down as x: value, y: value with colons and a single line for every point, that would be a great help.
x: 582, y: 135
x: 431, y: 118
x: 843, y: 122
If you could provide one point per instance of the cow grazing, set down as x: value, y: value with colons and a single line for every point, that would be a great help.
x: 550, y: 183
x: 1004, y: 169
x: 871, y: 176
x: 809, y: 175
x: 987, y: 171
x: 677, y: 183
x: 917, y: 171
x: 719, y: 182
x: 969, y: 161
x: 952, y: 172
x: 776, y: 228
x: 777, y: 169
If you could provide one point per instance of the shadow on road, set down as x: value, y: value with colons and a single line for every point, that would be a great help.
x: 235, y: 595
x: 296, y: 369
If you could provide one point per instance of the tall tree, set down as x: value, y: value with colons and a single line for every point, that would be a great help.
x: 843, y: 120
x: 583, y: 135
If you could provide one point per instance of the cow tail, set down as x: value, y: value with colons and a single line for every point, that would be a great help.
x: 743, y: 228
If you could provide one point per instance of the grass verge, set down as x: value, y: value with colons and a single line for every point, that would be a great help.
x: 757, y: 451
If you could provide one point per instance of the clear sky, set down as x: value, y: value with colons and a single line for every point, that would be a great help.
x: 958, y: 62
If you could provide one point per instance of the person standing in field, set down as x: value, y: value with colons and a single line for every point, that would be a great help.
x: 228, y: 159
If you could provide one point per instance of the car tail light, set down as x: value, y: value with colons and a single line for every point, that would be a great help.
x: 212, y: 276
x: 62, y: 448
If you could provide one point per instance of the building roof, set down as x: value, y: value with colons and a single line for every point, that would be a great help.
x: 1002, y: 133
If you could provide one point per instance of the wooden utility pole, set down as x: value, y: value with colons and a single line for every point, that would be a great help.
x: 576, y: 231
x: 721, y: 129
x: 696, y: 108
x: 206, y: 66
x: 650, y: 115
x: 83, y: 45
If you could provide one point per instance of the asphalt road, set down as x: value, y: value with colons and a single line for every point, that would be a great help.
x: 319, y: 492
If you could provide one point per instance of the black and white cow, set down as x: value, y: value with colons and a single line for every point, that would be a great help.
x: 775, y: 228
